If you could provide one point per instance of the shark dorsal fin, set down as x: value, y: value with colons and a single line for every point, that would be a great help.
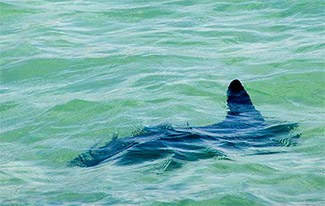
x: 240, y: 104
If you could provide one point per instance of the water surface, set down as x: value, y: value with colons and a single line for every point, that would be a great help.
x: 73, y: 73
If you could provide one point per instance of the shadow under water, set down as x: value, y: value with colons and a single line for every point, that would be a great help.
x: 244, y: 127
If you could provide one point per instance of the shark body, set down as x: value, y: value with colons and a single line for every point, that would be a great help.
x: 243, y: 127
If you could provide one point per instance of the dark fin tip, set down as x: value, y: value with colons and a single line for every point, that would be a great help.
x: 235, y: 86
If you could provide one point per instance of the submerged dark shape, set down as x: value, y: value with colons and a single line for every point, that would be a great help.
x: 244, y: 127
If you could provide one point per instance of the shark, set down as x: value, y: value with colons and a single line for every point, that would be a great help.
x: 244, y: 128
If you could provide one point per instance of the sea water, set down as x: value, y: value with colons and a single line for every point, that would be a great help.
x: 74, y: 73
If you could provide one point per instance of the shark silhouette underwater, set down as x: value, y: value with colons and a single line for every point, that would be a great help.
x: 243, y: 128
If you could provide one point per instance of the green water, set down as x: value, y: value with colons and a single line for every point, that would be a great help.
x: 75, y: 72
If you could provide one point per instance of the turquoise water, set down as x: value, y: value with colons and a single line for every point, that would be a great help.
x: 73, y: 73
